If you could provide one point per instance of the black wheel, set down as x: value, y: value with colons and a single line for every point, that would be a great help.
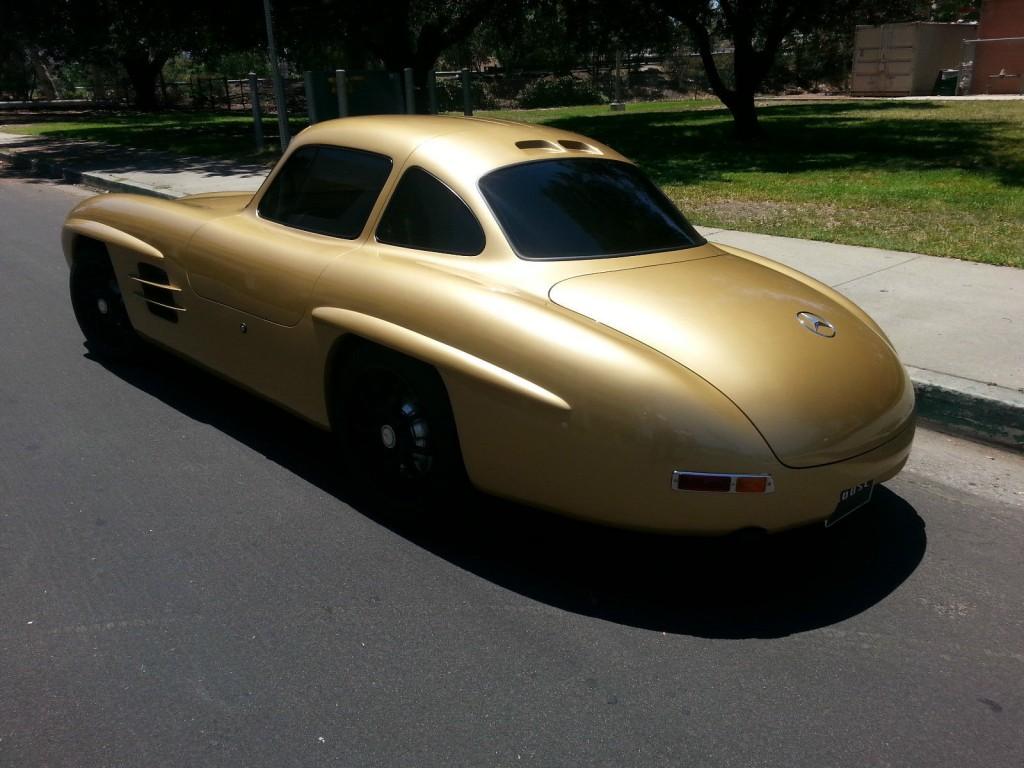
x: 99, y: 307
x: 397, y: 431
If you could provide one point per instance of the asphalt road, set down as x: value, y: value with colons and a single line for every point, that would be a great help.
x: 182, y: 583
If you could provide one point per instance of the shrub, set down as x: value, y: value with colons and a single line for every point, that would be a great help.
x: 449, y: 95
x: 559, y: 91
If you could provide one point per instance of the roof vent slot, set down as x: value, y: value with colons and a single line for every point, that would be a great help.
x: 579, y: 146
x: 542, y: 144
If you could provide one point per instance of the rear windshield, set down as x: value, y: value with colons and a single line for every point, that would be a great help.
x: 584, y: 208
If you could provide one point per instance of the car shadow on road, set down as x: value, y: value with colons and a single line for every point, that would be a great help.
x: 731, y: 587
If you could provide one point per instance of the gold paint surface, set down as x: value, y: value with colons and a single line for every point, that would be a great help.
x: 577, y: 386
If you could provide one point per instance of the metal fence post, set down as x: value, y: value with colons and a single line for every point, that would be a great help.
x: 396, y: 91
x: 99, y: 93
x: 275, y: 69
x: 227, y: 92
x: 432, y: 92
x: 410, y: 92
x: 618, y: 105
x: 341, y: 86
x: 310, y: 97
x: 257, y: 113
x: 467, y: 93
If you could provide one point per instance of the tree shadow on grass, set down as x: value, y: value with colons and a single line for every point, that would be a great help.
x: 31, y: 117
x: 691, y: 147
x: 72, y: 158
x: 722, y: 588
x: 141, y: 141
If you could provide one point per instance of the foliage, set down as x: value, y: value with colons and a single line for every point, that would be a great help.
x: 561, y: 36
x: 407, y: 33
x: 16, y: 76
x: 449, y: 94
x: 137, y: 35
x: 953, y: 10
x: 559, y: 91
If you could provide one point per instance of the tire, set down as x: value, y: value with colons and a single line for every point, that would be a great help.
x: 99, y: 307
x: 398, y: 433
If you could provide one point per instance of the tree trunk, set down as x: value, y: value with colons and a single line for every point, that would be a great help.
x: 143, y: 69
x: 749, y: 67
x: 744, y: 116
x: 44, y: 79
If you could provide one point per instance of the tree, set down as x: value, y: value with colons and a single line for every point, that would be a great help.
x: 137, y: 35
x: 414, y: 33
x: 393, y: 33
x: 756, y: 30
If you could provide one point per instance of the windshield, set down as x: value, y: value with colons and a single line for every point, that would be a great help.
x: 584, y: 208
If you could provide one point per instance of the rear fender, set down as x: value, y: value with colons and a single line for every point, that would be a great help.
x: 442, y: 356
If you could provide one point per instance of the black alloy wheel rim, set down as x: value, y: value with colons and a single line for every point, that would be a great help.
x: 392, y: 431
x: 101, y: 307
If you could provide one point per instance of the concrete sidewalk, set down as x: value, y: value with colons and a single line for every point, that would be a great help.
x: 958, y: 326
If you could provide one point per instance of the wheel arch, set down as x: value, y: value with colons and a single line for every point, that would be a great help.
x: 79, y: 231
x: 352, y: 329
x: 335, y: 365
x: 83, y: 246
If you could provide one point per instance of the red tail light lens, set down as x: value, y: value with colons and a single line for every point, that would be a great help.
x: 724, y: 483
x: 695, y: 482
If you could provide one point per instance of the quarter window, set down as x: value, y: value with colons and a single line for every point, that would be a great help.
x: 426, y: 215
x: 328, y: 190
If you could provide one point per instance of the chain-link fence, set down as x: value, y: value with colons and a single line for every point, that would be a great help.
x: 679, y: 76
x: 640, y: 78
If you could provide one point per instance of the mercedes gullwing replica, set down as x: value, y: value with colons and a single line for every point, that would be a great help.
x: 514, y: 306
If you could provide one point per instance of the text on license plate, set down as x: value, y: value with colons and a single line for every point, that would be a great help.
x: 851, y: 499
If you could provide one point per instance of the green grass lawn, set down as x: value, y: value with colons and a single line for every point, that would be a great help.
x: 942, y: 178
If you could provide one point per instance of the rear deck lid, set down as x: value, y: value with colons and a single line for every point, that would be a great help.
x: 816, y: 397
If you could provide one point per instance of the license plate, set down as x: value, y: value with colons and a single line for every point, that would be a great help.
x: 850, y: 500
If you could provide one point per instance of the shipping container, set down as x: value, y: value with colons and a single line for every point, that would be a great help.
x: 906, y: 59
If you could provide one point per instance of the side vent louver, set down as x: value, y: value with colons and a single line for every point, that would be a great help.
x: 157, y: 292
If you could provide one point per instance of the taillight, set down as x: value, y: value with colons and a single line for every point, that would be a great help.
x: 722, y: 483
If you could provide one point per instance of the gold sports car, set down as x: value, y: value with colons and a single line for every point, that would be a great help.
x: 516, y: 306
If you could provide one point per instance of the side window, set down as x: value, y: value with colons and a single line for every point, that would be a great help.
x: 426, y: 215
x: 328, y: 190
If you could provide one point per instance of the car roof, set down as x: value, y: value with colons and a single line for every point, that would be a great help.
x: 476, y: 145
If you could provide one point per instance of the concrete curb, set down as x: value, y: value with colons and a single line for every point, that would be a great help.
x: 90, y: 179
x: 976, y: 410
